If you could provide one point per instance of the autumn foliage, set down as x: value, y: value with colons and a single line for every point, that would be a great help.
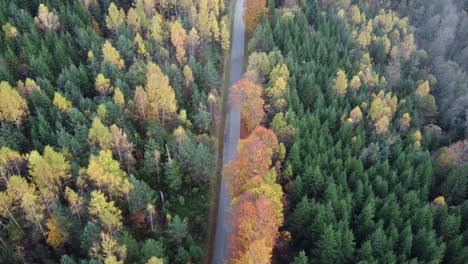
x: 254, y: 228
x: 254, y: 156
x: 256, y: 205
x: 253, y: 9
x: 249, y: 95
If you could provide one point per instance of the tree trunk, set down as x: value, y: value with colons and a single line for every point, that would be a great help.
x: 14, y: 220
x: 128, y: 201
x: 47, y: 206
x: 162, y: 198
x: 39, y: 224
x: 151, y: 221
x: 3, y: 242
x: 77, y: 213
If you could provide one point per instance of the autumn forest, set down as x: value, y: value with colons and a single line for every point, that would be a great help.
x: 118, y: 121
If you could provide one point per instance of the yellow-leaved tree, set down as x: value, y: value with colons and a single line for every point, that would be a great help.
x: 119, y: 98
x: 111, y: 55
x: 104, y: 212
x: 56, y: 236
x: 115, y: 17
x: 13, y: 107
x: 383, y: 107
x: 225, y: 34
x: 178, y: 39
x: 45, y: 19
x: 161, y: 96
x: 341, y: 83
x: 103, y: 85
x: 99, y: 134
x: 61, y: 102
x: 105, y: 173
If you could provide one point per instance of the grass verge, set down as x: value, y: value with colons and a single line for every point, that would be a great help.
x: 215, y: 182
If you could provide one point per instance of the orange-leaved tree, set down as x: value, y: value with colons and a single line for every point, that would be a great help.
x: 253, y: 158
x: 254, y: 220
x: 253, y: 9
x: 257, y: 206
x: 249, y: 95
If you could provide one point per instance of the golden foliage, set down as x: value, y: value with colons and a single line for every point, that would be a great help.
x: 104, y: 172
x: 111, y: 55
x: 160, y: 94
x: 115, y: 17
x: 179, y: 39
x: 119, y: 98
x: 45, y: 19
x: 99, y: 134
x: 103, y: 85
x: 440, y: 200
x: 25, y: 88
x: 214, y: 27
x: 55, y: 236
x: 61, y: 102
x: 356, y: 115
x: 423, y: 89
x: 141, y: 48
x: 10, y: 30
x: 341, y: 83
x: 108, y: 215
x: 225, y: 34
x: 417, y: 136
x: 355, y: 83
x: 253, y: 9
x: 13, y: 107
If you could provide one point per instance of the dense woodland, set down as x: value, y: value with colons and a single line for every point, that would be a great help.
x: 354, y: 126
x: 108, y: 113
x: 368, y: 103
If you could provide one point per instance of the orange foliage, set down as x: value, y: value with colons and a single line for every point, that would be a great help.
x: 254, y: 229
x: 258, y: 253
x: 253, y: 158
x: 55, y: 236
x: 454, y: 154
x: 249, y: 95
x: 253, y: 9
x: 257, y: 207
x: 267, y: 137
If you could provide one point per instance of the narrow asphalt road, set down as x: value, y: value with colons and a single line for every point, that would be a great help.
x: 232, y: 133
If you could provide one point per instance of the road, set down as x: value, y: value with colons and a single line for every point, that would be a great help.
x: 232, y: 133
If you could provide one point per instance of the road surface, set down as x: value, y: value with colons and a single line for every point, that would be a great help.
x: 232, y: 133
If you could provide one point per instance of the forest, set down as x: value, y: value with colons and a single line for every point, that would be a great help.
x: 353, y: 144
x: 108, y: 115
x: 367, y: 102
